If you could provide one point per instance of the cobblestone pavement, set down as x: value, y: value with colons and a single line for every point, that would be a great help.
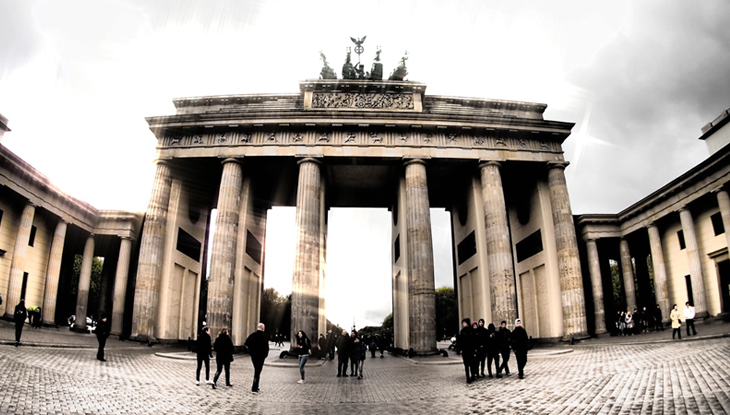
x: 676, y: 377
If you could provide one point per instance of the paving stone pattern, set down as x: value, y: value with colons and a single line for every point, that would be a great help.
x: 682, y: 377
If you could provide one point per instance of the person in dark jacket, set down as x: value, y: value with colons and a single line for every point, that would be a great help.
x: 354, y: 347
x: 322, y: 344
x: 362, y: 354
x: 258, y: 347
x: 465, y: 343
x: 20, y: 315
x: 482, y: 338
x: 204, y: 352
x: 520, y: 344
x: 102, y: 333
x: 304, y: 346
x: 373, y: 346
x: 658, y: 325
x: 493, y: 351
x: 331, y: 344
x: 503, y: 340
x: 343, y: 352
x: 383, y: 343
x: 223, y: 356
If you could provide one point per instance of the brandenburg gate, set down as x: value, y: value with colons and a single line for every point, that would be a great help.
x: 496, y: 165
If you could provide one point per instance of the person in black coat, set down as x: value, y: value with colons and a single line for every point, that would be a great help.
x: 658, y: 325
x: 466, y: 344
x: 354, y: 346
x: 303, y: 349
x: 258, y: 347
x: 223, y: 356
x: 20, y: 315
x: 331, y: 344
x: 493, y: 351
x: 343, y: 352
x: 102, y: 333
x: 520, y: 344
x: 503, y: 340
x: 204, y: 352
x: 482, y: 338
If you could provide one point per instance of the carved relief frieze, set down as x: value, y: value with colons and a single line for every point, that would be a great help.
x: 222, y: 139
x: 271, y: 138
x: 345, y: 100
x: 197, y: 139
x: 479, y: 141
x: 350, y: 138
x: 374, y: 137
x: 175, y: 140
x: 297, y: 138
x: 428, y: 138
x: 324, y: 137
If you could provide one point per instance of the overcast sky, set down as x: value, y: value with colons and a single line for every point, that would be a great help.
x: 639, y: 79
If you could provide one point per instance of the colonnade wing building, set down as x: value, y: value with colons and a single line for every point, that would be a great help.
x: 670, y: 247
x: 496, y: 165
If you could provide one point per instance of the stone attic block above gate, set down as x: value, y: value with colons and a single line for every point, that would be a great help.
x: 359, y: 118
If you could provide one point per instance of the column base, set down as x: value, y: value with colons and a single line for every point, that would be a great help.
x: 576, y: 337
x: 78, y: 329
x: 150, y: 340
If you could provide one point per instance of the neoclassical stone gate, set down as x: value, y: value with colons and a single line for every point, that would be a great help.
x: 497, y: 166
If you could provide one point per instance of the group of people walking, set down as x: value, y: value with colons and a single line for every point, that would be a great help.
x: 479, y: 345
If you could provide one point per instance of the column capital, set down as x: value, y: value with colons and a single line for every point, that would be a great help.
x: 683, y: 208
x: 231, y: 160
x: 163, y: 162
x: 589, y: 239
x: 557, y: 164
x: 407, y: 162
x: 485, y: 163
x: 718, y: 189
x: 128, y: 238
x: 310, y: 160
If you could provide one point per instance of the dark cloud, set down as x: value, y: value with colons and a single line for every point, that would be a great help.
x: 663, y: 77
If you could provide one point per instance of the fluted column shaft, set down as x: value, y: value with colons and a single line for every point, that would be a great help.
x: 694, y: 261
x: 17, y: 265
x: 571, y: 281
x: 120, y: 285
x: 499, y: 248
x: 627, y: 271
x: 53, y: 273
x: 305, y: 297
x: 661, y: 290
x: 594, y: 268
x: 152, y: 246
x: 421, y: 291
x: 723, y: 201
x: 223, y: 255
x: 82, y: 295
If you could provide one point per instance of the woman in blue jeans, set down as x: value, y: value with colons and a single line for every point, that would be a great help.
x: 304, y: 346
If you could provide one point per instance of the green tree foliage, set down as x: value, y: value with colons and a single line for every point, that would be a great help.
x: 447, y: 315
x: 616, y: 283
x: 276, y: 312
x: 97, y: 265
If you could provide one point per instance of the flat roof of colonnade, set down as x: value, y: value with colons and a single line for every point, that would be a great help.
x: 355, y: 119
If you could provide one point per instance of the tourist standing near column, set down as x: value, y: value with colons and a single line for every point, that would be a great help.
x: 304, y: 346
x: 676, y: 322
x: 658, y: 325
x: 689, y: 316
x: 520, y: 344
x: 482, y: 338
x: 223, y: 356
x: 258, y: 347
x: 465, y: 343
x: 204, y: 353
x: 20, y: 315
x: 102, y: 333
x: 493, y: 351
x: 343, y: 352
x: 34, y: 316
x: 503, y: 338
x: 322, y: 344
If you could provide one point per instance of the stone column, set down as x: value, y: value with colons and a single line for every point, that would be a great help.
x: 53, y: 273
x: 120, y: 285
x: 571, y: 280
x: 17, y: 265
x: 723, y: 202
x: 82, y: 296
x: 421, y: 291
x: 499, y: 248
x: 695, y: 262
x: 223, y: 254
x: 627, y: 271
x: 594, y: 268
x: 149, y: 267
x: 305, y: 299
x: 661, y: 290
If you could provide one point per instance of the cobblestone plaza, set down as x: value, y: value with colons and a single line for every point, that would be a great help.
x: 642, y: 374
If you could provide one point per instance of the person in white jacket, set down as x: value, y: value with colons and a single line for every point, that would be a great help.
x: 689, y: 317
